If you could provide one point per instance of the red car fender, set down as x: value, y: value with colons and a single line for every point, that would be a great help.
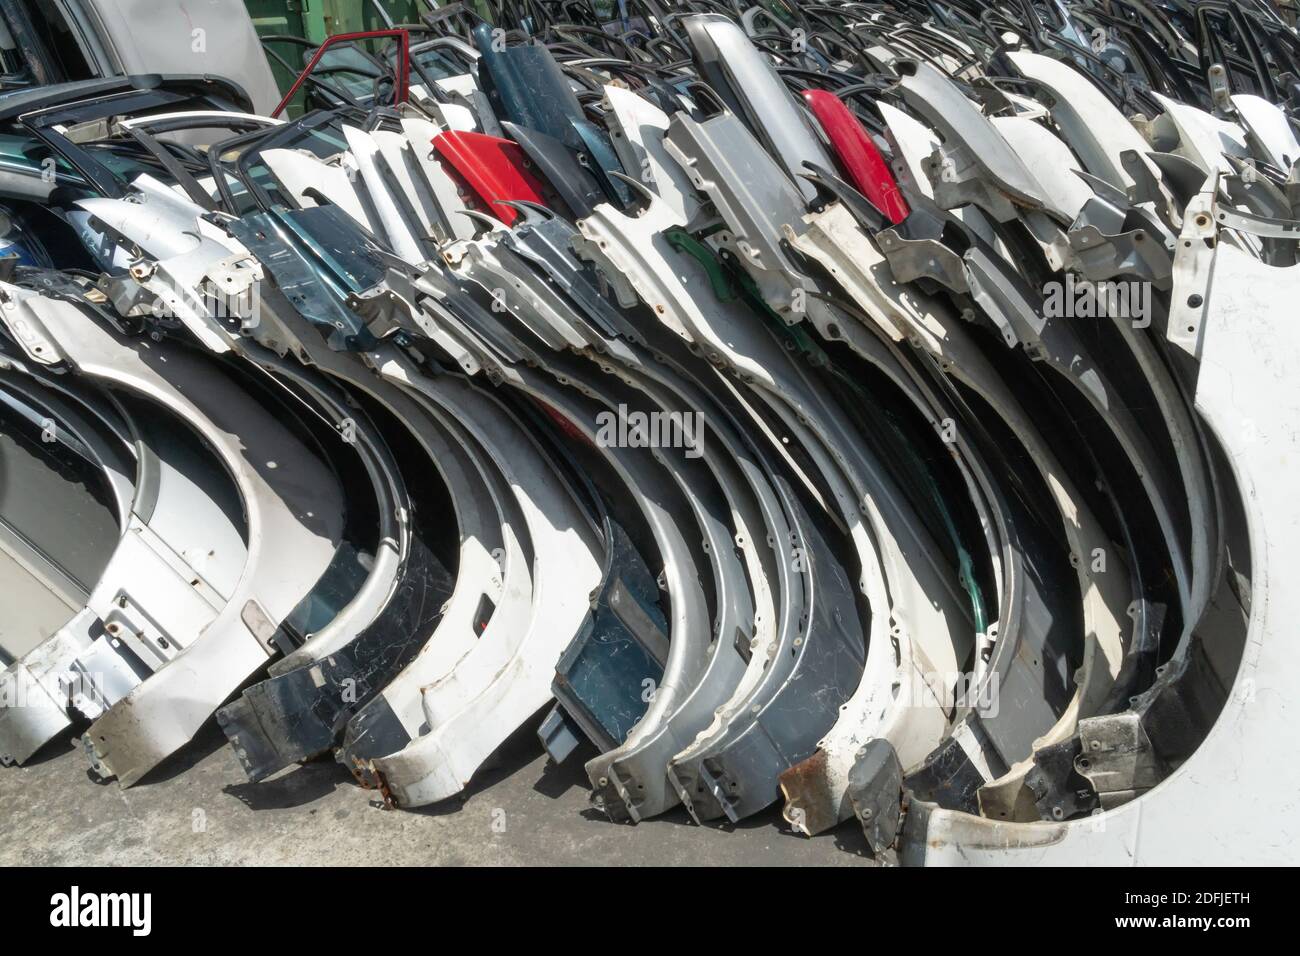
x: 862, y: 161
x: 494, y: 168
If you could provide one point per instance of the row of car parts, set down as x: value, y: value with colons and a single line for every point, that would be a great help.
x: 878, y: 409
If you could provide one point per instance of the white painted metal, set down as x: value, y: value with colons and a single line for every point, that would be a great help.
x: 1196, y: 817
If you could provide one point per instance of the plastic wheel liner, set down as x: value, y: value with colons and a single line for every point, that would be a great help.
x: 634, y: 252
x: 1228, y: 689
x: 212, y: 626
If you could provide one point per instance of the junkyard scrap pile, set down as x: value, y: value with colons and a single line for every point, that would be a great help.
x: 882, y: 409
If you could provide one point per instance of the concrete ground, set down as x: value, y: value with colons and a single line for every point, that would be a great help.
x: 198, y: 808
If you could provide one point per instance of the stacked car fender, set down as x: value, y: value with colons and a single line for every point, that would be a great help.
x: 879, y: 412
